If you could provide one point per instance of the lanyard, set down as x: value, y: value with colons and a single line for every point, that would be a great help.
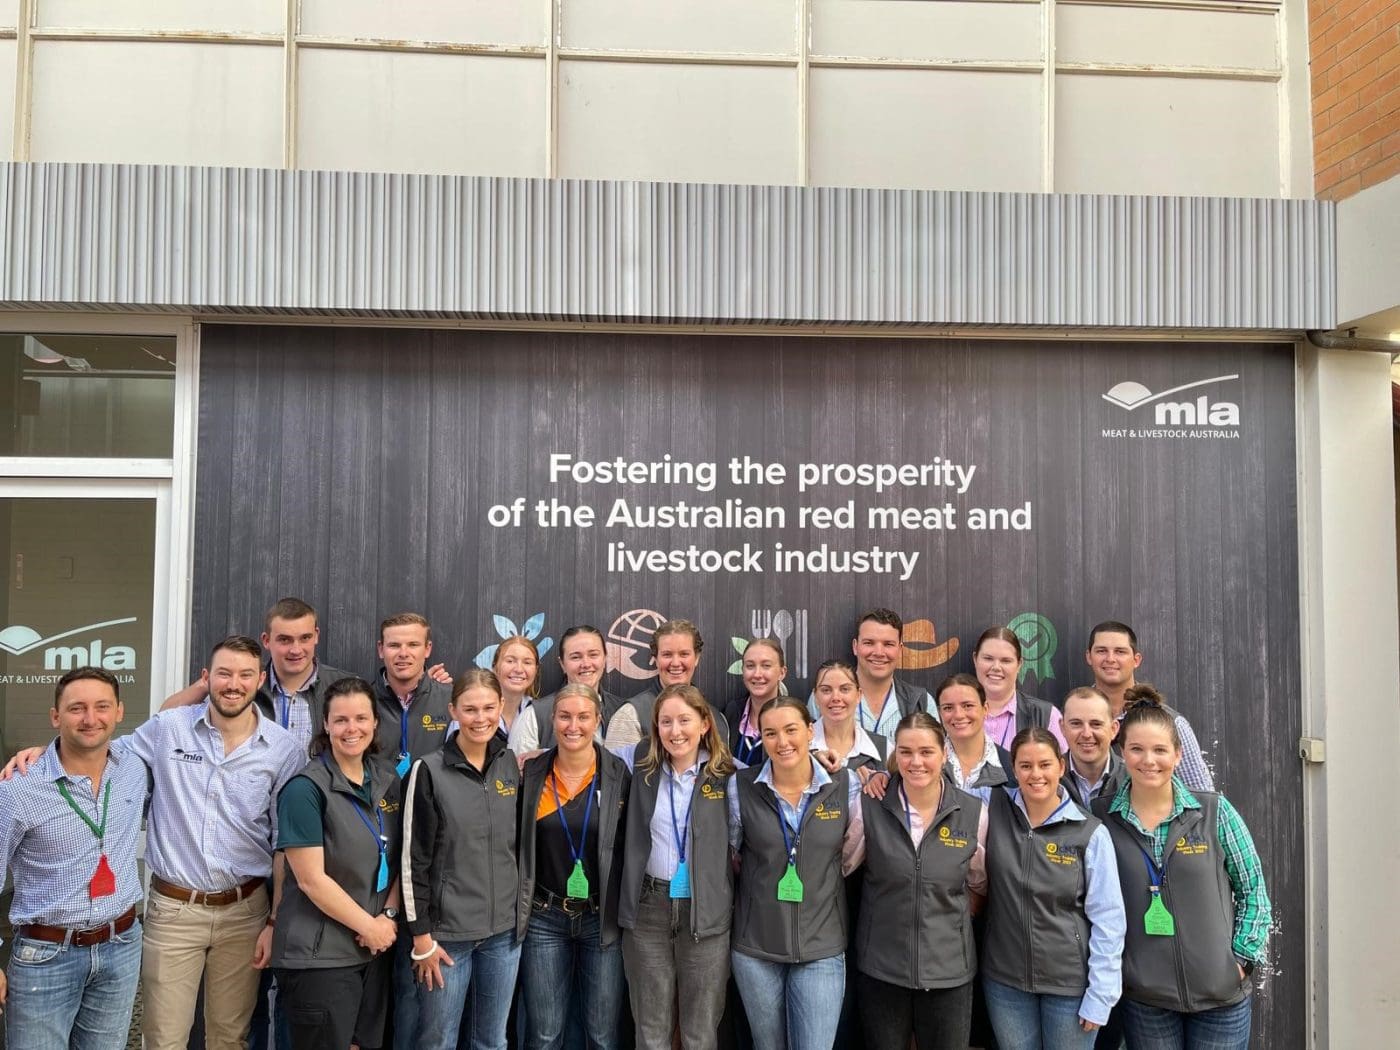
x: 403, y: 730
x: 285, y: 720
x: 1010, y: 728
x: 575, y: 854
x: 678, y: 828
x: 100, y: 830
x: 862, y: 707
x: 1155, y: 875
x: 381, y: 843
x: 747, y: 748
x: 790, y: 841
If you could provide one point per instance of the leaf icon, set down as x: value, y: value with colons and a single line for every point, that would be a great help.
x: 737, y: 667
x: 533, y: 626
x: 504, y: 627
x: 544, y: 646
x: 740, y: 644
x: 486, y: 657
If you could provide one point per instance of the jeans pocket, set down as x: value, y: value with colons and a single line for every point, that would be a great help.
x: 131, y: 936
x: 29, y: 952
x: 160, y: 908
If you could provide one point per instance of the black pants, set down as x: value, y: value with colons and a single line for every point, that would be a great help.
x: 936, y: 1019
x: 332, y: 1008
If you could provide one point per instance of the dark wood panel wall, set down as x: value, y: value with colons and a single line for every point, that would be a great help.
x: 355, y: 467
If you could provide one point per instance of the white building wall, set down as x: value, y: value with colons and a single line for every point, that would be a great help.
x: 1108, y: 96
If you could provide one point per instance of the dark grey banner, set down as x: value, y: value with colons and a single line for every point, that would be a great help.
x: 528, y: 481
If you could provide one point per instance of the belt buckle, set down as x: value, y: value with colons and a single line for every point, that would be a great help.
x: 573, y: 906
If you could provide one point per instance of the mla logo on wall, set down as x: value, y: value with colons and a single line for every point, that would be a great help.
x: 1204, y: 415
x: 20, y: 640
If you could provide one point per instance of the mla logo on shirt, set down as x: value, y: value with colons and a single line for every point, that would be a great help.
x: 503, y: 789
x: 17, y: 640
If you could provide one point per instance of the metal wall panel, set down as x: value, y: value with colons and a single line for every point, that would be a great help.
x: 423, y: 246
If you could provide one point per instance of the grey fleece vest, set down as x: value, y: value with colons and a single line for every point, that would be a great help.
x: 1195, y: 969
x: 426, y: 723
x: 644, y: 703
x: 614, y: 786
x: 305, y: 937
x: 544, y: 716
x: 707, y: 853
x: 914, y: 928
x: 1032, y: 711
x: 471, y: 862
x: 1037, y: 933
x: 784, y: 931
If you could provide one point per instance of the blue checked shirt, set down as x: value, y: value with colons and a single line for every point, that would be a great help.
x: 51, y: 854
x: 294, y: 709
x: 213, y: 816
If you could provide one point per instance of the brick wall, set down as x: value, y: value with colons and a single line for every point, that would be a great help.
x: 1355, y: 59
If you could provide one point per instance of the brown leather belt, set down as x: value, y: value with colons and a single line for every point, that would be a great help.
x: 215, y: 900
x: 80, y: 938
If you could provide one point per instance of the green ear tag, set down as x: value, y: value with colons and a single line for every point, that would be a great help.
x: 578, y: 882
x: 1158, y: 921
x: 790, y: 886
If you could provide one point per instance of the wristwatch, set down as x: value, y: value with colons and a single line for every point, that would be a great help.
x: 392, y: 913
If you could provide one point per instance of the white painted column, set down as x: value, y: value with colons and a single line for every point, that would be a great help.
x: 1351, y: 675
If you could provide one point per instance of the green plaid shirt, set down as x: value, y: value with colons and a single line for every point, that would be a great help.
x: 1253, y: 913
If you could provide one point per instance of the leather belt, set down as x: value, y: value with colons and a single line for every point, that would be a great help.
x: 544, y: 900
x: 217, y: 899
x: 80, y: 938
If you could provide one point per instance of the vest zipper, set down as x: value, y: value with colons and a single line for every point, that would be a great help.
x: 490, y: 849
x: 1026, y: 852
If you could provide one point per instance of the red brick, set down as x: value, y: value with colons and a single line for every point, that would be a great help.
x: 1342, y: 190
x: 1384, y: 84
x: 1377, y: 173
x: 1391, y: 146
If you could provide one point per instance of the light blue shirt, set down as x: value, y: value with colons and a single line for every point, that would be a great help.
x: 294, y: 709
x: 884, y: 725
x: 52, y: 855
x: 1103, y: 907
x: 674, y: 791
x: 790, y: 813
x: 213, y: 816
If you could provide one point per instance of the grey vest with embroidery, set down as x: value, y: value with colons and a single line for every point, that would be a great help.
x: 707, y: 853
x: 1194, y: 970
x: 915, y: 929
x: 305, y: 937
x: 1037, y: 933
x: 784, y: 931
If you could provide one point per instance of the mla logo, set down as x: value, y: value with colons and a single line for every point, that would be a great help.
x: 17, y: 640
x: 1195, y: 417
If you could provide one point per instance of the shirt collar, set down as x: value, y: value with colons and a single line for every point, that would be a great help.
x: 1070, y: 812
x: 259, y: 726
x: 1182, y: 799
x: 50, y: 767
x: 701, y: 758
x: 1107, y: 770
x: 864, y: 746
x: 820, y: 777
x: 275, y: 686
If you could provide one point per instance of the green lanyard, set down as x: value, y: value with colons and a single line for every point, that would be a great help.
x: 100, y: 830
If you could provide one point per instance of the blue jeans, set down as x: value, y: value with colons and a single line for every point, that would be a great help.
x: 557, y: 947
x: 1224, y: 1028
x: 405, y: 1013
x: 67, y: 998
x: 486, y: 968
x: 791, y: 1006
x: 1027, y: 1021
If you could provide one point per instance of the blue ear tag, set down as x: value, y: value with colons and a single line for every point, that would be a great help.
x: 680, y: 882
x: 402, y: 768
x: 383, y: 881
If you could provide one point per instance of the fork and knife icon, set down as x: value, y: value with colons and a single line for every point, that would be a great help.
x: 782, y: 625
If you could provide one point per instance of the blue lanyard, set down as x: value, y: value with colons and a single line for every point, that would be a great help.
x: 576, y: 854
x: 381, y: 843
x: 860, y: 712
x: 790, y: 841
x: 1155, y: 875
x: 678, y: 829
x: 748, y: 748
x: 403, y: 730
x: 285, y: 720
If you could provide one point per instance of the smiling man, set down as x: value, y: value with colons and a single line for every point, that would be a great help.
x: 411, y: 704
x: 1092, y: 768
x: 884, y: 700
x: 69, y: 843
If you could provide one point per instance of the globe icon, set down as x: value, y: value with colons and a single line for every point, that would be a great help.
x: 629, y: 643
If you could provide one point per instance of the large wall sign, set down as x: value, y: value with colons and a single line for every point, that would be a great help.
x: 526, y: 481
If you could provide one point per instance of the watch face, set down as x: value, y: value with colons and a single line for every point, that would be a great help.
x: 393, y: 913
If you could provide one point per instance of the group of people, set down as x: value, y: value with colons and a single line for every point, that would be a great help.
x: 420, y: 861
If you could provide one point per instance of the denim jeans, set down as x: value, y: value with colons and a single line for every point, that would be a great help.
x: 791, y: 1006
x: 485, y: 969
x: 557, y: 947
x: 1224, y: 1028
x: 1027, y: 1021
x: 667, y: 966
x: 63, y: 997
